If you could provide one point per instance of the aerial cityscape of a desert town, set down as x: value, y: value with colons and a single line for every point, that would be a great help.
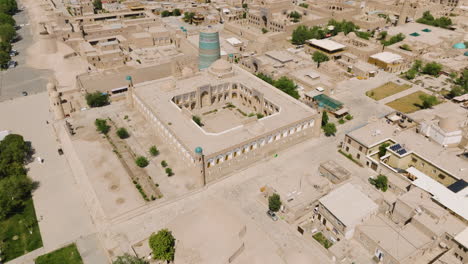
x: 234, y: 131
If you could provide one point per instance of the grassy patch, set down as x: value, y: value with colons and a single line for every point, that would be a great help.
x: 408, y: 104
x: 68, y: 254
x: 350, y: 157
x: 322, y: 240
x: 20, y: 225
x: 386, y: 90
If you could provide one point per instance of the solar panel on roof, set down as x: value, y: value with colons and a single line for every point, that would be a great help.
x: 401, y: 151
x: 395, y: 147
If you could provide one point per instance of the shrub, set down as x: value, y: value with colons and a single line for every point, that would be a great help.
x: 101, y: 126
x: 432, y: 68
x: 304, y: 5
x: 383, y: 149
x: 141, y: 162
x: 169, y: 172
x: 153, y: 150
x: 197, y: 120
x: 428, y: 101
x: 274, y: 202
x: 97, y: 99
x: 164, y: 163
x: 162, y: 245
x: 381, y: 182
x: 122, y: 133
x: 341, y: 121
x: 349, y: 117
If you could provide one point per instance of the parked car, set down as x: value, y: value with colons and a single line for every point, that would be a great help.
x: 24, y: 93
x: 272, y: 215
x: 12, y: 64
x: 13, y: 53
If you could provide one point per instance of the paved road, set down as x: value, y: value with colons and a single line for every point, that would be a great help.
x: 22, y: 78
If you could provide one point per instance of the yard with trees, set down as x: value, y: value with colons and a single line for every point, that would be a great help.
x: 283, y: 83
x: 97, y: 99
x: 274, y: 202
x: 19, y: 231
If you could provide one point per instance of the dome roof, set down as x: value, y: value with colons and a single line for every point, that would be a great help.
x: 466, y: 53
x: 198, y: 150
x: 221, y: 66
x: 448, y: 124
x: 459, y: 45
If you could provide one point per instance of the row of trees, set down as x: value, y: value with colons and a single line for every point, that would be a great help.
x: 328, y: 128
x: 460, y: 84
x: 394, y: 39
x: 7, y: 29
x: 167, y: 13
x: 430, y: 68
x: 303, y: 33
x: 15, y: 185
x: 428, y: 19
x: 284, y: 84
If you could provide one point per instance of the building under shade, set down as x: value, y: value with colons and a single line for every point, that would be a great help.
x: 209, y: 48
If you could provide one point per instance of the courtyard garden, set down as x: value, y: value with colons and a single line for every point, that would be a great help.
x: 68, y: 254
x: 386, y: 90
x: 412, y: 102
x: 322, y: 240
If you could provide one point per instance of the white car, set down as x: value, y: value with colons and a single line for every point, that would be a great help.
x: 320, y: 89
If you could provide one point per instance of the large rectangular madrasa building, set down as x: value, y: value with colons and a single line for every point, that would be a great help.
x: 222, y: 119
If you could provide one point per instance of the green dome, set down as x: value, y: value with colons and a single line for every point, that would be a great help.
x: 466, y: 53
x: 198, y: 150
x: 128, y: 78
x: 459, y: 45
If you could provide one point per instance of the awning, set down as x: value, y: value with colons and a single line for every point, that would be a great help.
x: 342, y: 111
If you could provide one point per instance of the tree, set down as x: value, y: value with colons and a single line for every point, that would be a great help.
x: 432, y: 68
x: 97, y: 5
x: 274, y: 202
x: 188, y: 17
x: 7, y: 32
x: 197, y: 120
x: 153, y: 150
x: 383, y: 149
x: 363, y: 35
x: 303, y: 33
x: 164, y: 163
x: 380, y: 183
x: 319, y: 57
x: 417, y: 65
x: 324, y: 118
x: 428, y: 19
x: 304, y: 5
x: 411, y: 74
x: 13, y: 149
x: 141, y: 161
x: 122, y: 133
x: 288, y: 86
x: 4, y: 58
x: 329, y: 129
x: 7, y: 19
x: 169, y: 172
x: 264, y: 30
x: 383, y: 35
x: 97, y: 99
x: 163, y: 245
x: 265, y: 78
x: 5, y: 46
x: 394, y: 39
x: 13, y: 191
x: 296, y: 16
x: 128, y: 259
x: 428, y: 101
x: 101, y: 126
x: 166, y: 13
x: 176, y: 12
x: 245, y: 5
x: 8, y: 6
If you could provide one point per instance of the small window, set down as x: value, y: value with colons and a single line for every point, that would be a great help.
x: 360, y: 148
x: 347, y: 149
x: 441, y: 176
x: 358, y: 156
x: 414, y: 160
x: 422, y: 164
x: 349, y: 141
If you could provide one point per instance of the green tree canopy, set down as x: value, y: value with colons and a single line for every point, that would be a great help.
x: 428, y: 19
x: 7, y: 32
x: 97, y: 99
x: 122, y: 133
x: 102, y: 126
x: 394, y: 39
x: 188, y: 17
x: 324, y: 118
x: 7, y: 19
x: 13, y: 149
x: 428, y: 101
x: 176, y: 12
x: 13, y: 191
x: 432, y: 68
x: 4, y: 58
x: 383, y: 149
x: 8, y: 6
x: 141, y: 162
x: 329, y: 129
x: 163, y: 245
x: 128, y: 259
x: 381, y: 182
x: 288, y: 86
x: 303, y: 33
x: 319, y: 57
x: 274, y: 202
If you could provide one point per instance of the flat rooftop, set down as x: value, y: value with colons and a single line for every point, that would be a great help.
x: 435, y: 36
x: 387, y: 57
x: 348, y: 204
x: 159, y: 100
x: 399, y: 242
x: 326, y: 44
x: 445, y: 158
